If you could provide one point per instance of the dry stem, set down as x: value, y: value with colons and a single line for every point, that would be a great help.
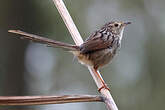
x: 40, y: 100
x: 78, y: 40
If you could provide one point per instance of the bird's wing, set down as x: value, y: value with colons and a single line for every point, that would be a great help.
x: 96, y: 42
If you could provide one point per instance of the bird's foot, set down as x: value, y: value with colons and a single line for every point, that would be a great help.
x: 104, y: 86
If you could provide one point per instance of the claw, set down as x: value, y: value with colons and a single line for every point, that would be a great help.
x: 105, y: 87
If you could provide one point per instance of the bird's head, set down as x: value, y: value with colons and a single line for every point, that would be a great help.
x: 117, y: 27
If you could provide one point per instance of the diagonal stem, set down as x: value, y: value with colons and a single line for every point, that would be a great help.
x: 78, y: 40
x: 68, y: 21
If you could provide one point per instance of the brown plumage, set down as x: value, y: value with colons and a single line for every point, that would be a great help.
x: 97, y: 50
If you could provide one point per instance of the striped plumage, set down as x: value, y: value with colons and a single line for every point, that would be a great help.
x: 97, y: 50
x: 101, y: 46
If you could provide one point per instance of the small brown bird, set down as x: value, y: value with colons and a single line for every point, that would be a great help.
x: 97, y: 50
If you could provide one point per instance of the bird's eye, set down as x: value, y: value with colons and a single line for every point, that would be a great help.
x: 116, y: 25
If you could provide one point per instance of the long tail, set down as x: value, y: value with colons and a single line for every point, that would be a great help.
x: 44, y: 40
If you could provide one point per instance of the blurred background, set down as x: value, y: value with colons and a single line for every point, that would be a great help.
x: 136, y: 75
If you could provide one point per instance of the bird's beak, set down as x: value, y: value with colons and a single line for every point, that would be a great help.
x: 126, y: 23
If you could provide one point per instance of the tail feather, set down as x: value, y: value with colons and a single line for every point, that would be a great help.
x: 44, y: 40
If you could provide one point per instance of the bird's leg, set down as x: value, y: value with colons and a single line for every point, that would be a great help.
x: 104, y: 85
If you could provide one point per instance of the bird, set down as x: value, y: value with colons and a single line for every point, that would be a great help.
x: 97, y: 50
